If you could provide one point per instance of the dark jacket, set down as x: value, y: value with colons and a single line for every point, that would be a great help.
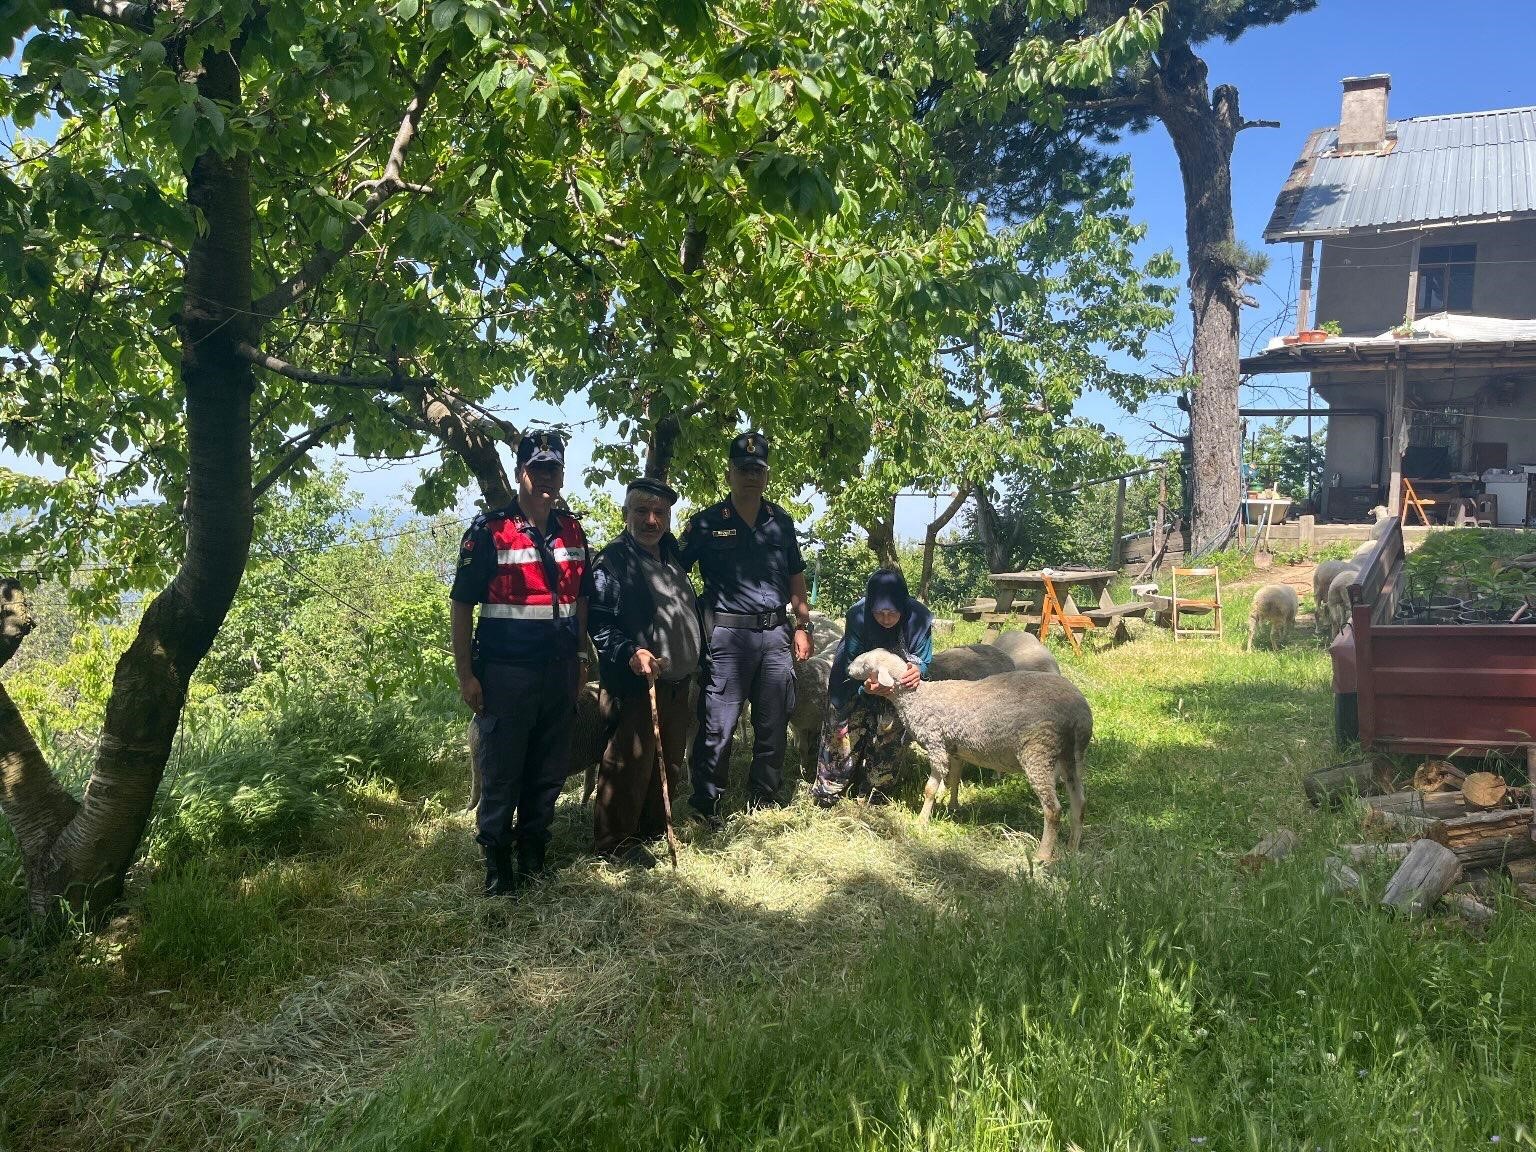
x: 620, y: 606
x: 912, y: 638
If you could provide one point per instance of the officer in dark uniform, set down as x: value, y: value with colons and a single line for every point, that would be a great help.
x: 747, y: 553
x: 525, y: 565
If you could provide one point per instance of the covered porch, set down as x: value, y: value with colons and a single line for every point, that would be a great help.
x: 1454, y: 417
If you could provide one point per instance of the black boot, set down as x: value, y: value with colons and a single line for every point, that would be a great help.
x: 530, y: 860
x: 500, y: 879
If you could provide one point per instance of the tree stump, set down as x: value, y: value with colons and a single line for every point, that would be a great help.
x: 1484, y: 790
x: 1425, y: 875
x: 1366, y: 777
x: 1487, y: 839
x: 1276, y: 846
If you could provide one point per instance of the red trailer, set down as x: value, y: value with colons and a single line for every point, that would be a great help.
x: 1425, y: 688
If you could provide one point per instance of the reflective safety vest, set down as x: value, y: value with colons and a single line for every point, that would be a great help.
x: 531, y: 590
x: 527, y: 586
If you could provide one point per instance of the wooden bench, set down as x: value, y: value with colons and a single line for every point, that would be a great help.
x: 1117, y: 614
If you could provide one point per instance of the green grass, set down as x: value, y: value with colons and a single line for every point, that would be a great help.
x: 808, y: 979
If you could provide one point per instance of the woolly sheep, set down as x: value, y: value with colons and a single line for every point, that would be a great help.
x: 1379, y: 529
x: 969, y: 662
x: 1322, y: 576
x: 1034, y: 722
x: 1339, y: 607
x: 1273, y: 605
x: 1026, y: 652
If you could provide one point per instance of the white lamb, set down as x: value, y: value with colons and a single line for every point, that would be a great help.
x: 1379, y: 529
x: 1032, y: 722
x: 1274, y: 605
x: 1322, y: 577
x: 1339, y: 607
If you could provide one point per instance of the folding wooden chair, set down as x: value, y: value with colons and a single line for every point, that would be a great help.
x: 1412, y: 500
x: 1051, y: 609
x: 1196, y: 605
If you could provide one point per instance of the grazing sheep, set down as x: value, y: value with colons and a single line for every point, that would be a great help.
x: 1274, y: 605
x: 969, y: 662
x: 1322, y: 576
x: 1034, y: 722
x: 588, y: 737
x: 1026, y: 652
x: 1337, y: 598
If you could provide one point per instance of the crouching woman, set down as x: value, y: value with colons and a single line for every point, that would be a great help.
x: 644, y: 622
x: 861, y: 735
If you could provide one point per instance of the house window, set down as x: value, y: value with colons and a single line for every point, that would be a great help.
x: 1445, y: 277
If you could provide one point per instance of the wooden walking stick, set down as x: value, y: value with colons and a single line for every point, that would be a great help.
x: 661, y: 766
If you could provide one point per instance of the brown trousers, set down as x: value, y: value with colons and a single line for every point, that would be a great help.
x: 628, y: 807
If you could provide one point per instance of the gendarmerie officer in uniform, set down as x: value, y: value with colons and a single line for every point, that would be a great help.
x: 524, y: 565
x: 750, y: 561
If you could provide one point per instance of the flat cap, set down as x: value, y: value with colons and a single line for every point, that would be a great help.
x: 652, y: 488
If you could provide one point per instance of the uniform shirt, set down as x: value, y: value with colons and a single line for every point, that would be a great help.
x: 549, y: 628
x: 746, y: 567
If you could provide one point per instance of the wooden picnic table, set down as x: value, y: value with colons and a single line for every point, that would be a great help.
x: 1010, y: 584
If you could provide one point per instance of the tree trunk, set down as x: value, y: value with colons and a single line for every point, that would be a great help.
x: 1203, y: 129
x: 990, y: 531
x: 82, y: 866
x: 931, y: 539
x: 473, y: 443
x: 662, y: 447
x: 881, y: 532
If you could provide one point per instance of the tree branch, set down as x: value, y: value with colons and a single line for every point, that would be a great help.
x: 467, y: 438
x: 402, y: 385
x: 139, y: 17
x: 380, y: 191
x: 301, y: 445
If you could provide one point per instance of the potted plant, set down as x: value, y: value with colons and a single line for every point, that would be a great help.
x: 1403, y: 331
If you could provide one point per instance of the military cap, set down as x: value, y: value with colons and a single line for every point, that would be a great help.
x: 652, y: 488
x: 750, y: 450
x: 540, y: 448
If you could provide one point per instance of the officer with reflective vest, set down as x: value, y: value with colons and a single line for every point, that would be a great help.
x: 750, y: 561
x: 524, y: 565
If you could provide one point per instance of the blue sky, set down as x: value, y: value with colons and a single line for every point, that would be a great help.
x: 1442, y: 58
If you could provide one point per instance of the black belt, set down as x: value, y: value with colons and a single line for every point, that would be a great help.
x: 756, y: 621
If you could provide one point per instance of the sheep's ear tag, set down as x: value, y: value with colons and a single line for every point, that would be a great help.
x: 885, y: 678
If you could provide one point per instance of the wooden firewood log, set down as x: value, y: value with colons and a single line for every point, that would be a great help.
x: 1487, y: 839
x: 1426, y: 874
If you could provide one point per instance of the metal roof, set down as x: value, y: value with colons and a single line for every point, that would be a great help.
x: 1464, y: 167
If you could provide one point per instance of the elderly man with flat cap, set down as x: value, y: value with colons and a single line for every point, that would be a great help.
x: 747, y: 553
x: 525, y: 565
x: 645, y: 625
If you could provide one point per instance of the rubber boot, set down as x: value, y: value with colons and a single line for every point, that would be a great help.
x: 530, y: 860
x: 500, y: 879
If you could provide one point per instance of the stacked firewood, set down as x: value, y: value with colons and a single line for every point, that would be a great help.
x: 1453, y: 833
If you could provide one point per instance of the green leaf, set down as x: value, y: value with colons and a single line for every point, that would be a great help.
x: 444, y: 13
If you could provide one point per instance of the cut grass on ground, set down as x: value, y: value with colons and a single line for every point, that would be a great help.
x: 808, y: 979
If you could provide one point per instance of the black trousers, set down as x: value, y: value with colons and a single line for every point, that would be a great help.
x: 525, y: 748
x: 743, y: 666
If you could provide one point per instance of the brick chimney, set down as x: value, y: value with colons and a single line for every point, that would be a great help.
x: 1363, y: 117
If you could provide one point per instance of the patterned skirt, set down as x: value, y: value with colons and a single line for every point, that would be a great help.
x: 859, y: 747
